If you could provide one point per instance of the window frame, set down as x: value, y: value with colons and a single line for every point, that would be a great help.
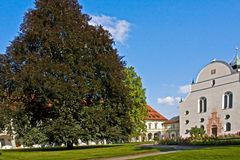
x: 202, y: 105
x: 227, y: 100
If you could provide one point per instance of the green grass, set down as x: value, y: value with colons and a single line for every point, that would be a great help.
x: 210, y: 153
x: 77, y: 154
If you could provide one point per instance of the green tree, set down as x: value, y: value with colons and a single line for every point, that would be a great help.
x: 64, y: 76
x: 138, y: 111
x: 34, y: 136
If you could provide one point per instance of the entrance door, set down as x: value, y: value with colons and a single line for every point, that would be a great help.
x: 214, y: 131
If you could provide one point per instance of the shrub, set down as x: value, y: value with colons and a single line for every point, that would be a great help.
x: 176, y: 141
x: 203, y: 140
x: 197, y: 133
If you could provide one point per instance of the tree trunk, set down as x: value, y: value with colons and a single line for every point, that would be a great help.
x: 69, y: 145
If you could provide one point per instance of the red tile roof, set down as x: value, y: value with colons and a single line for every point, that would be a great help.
x: 154, y: 115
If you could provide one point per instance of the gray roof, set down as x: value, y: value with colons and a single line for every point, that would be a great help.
x: 176, y: 118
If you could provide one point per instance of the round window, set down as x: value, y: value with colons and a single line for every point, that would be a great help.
x: 202, y: 120
x: 227, y: 116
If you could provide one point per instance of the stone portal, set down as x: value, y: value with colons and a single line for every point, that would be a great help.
x: 214, y: 126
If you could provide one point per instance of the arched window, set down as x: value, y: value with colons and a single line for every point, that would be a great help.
x: 202, y: 106
x: 228, y: 127
x: 202, y: 126
x: 227, y: 100
x: 150, y: 136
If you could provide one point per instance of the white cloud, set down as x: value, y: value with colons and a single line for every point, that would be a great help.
x: 118, y: 28
x: 184, y: 89
x: 169, y: 101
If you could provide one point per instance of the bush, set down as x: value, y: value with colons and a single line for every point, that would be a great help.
x: 204, y: 141
x: 197, y: 134
x: 176, y: 141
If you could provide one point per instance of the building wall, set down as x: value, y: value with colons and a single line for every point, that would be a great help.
x: 225, y: 80
x: 157, y: 130
x: 5, y: 140
x: 171, y: 130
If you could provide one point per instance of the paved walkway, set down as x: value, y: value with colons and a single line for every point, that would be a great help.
x: 176, y: 148
x: 142, y: 155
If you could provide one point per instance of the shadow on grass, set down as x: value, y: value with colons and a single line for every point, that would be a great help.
x: 60, y: 148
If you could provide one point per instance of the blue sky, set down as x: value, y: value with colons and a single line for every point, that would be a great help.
x: 167, y: 41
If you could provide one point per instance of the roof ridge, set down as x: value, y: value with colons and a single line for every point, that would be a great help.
x: 154, y: 115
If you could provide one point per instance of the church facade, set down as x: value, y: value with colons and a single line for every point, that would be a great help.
x: 214, y: 100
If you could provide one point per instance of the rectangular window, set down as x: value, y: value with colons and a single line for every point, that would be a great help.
x: 149, y: 126
x: 213, y: 71
x: 155, y: 125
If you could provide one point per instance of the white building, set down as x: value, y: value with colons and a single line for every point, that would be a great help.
x: 214, y: 100
x: 6, y: 140
x: 171, y: 128
x: 154, y: 125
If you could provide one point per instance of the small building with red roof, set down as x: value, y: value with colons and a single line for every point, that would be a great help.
x: 153, y: 121
x: 158, y: 127
x: 154, y: 115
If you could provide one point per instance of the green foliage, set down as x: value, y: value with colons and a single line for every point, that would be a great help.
x: 34, y: 136
x: 203, y: 140
x: 63, y: 75
x: 138, y: 110
x: 197, y: 133
x: 175, y: 141
x: 156, y: 139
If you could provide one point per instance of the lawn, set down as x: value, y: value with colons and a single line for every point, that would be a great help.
x: 77, y: 154
x: 210, y: 153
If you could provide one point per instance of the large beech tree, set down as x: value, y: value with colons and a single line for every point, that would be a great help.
x: 64, y: 78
